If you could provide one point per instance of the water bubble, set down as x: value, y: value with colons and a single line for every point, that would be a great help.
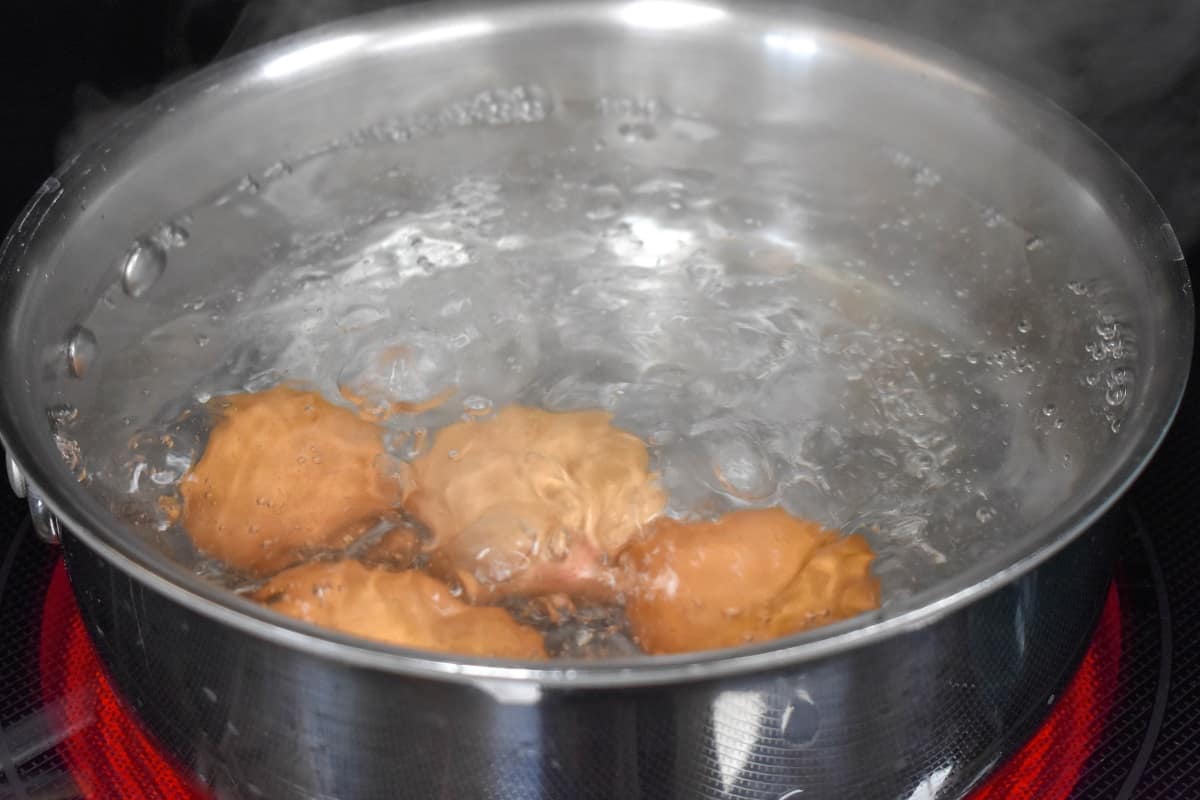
x: 82, y: 349
x: 920, y: 463
x: 476, y: 405
x: 512, y: 242
x: 1059, y: 423
x: 1116, y: 395
x: 144, y: 264
x: 1049, y: 409
x: 262, y: 380
x: 739, y: 465
x: 603, y: 211
x: 202, y: 340
x: 1077, y: 287
x: 277, y: 170
x: 357, y: 317
x: 248, y: 185
x: 661, y: 437
x: 635, y: 132
x: 1024, y: 326
x: 985, y: 514
x: 1115, y: 425
x: 173, y: 235
x: 927, y: 177
x: 314, y: 277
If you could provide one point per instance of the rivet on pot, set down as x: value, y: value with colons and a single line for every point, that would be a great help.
x: 44, y: 522
x: 81, y: 350
x: 16, y: 478
x: 144, y: 264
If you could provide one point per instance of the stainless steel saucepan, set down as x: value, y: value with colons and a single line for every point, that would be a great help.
x: 837, y: 270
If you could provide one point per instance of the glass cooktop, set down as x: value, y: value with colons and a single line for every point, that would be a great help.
x: 1127, y: 726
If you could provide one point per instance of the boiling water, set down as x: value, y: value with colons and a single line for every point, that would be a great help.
x: 787, y: 315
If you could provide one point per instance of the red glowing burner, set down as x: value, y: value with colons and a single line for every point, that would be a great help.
x: 1049, y: 765
x: 107, y: 752
x: 111, y: 757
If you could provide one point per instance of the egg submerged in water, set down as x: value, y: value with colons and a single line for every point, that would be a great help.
x: 522, y: 505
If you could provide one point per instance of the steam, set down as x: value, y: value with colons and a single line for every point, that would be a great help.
x: 1126, y: 69
x: 199, y: 32
x: 1092, y: 56
x: 1114, y: 63
x: 266, y: 20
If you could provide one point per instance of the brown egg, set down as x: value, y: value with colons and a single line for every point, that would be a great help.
x: 746, y: 577
x: 285, y: 473
x: 583, y: 573
x: 399, y: 548
x: 402, y: 608
x: 532, y: 501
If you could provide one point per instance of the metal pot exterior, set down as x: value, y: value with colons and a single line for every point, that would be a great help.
x: 922, y: 714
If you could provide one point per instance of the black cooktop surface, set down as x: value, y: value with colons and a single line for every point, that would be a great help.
x: 1129, y: 725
